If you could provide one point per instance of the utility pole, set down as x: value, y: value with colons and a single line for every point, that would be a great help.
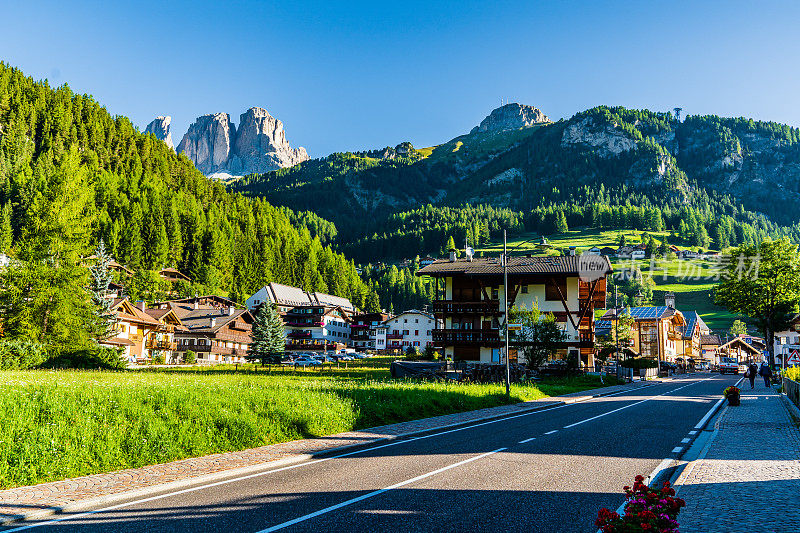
x: 505, y: 302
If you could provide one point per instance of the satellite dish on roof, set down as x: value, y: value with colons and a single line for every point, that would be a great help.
x: 469, y: 252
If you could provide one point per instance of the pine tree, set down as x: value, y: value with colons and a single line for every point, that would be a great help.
x: 561, y: 223
x: 44, y: 297
x: 268, y: 336
x: 100, y: 278
x: 6, y: 231
x: 372, y: 304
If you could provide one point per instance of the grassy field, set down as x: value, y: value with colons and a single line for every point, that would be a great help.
x: 691, y: 280
x: 61, y: 424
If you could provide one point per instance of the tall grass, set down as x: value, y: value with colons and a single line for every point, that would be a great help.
x: 61, y: 424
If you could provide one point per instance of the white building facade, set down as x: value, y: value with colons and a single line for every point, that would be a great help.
x: 411, y: 328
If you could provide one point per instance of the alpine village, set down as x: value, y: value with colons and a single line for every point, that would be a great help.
x: 495, y: 332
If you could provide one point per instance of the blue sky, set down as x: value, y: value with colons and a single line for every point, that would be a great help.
x: 356, y: 75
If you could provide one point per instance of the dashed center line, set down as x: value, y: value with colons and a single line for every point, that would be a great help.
x: 526, y: 440
x: 551, y: 432
x: 685, y: 441
x: 677, y: 449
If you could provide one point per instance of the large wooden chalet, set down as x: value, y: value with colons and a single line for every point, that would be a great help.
x: 469, y: 296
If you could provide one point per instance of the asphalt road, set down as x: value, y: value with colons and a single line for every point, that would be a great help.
x: 548, y: 471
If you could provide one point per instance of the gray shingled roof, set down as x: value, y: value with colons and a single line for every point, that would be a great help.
x: 550, y: 264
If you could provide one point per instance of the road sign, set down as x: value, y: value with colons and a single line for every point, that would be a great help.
x: 793, y: 357
x: 514, y: 327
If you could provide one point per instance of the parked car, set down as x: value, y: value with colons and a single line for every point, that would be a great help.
x: 666, y: 366
x: 307, y: 361
x: 361, y: 356
x: 346, y: 358
x: 728, y: 365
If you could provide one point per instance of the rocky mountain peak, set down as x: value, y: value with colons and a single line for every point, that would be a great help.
x: 261, y: 143
x: 160, y: 128
x: 209, y: 143
x: 511, y: 117
x: 258, y: 145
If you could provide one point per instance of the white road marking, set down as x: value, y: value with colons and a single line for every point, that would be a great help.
x: 551, y: 432
x: 298, y: 465
x: 375, y: 493
x: 526, y: 440
x: 677, y: 449
x: 631, y: 405
x: 693, y: 432
x: 685, y: 441
x: 290, y: 467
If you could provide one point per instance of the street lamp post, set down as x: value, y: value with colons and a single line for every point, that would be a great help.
x: 505, y: 305
x: 504, y: 260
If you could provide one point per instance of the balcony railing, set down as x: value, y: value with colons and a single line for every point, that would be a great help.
x: 299, y: 334
x: 303, y: 324
x: 482, y: 307
x: 479, y: 337
x: 394, y: 336
x: 160, y: 345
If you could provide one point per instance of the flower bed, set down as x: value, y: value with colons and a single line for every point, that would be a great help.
x: 646, y: 509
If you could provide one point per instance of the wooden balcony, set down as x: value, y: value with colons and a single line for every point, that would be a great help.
x: 394, y: 335
x: 223, y: 350
x: 154, y: 344
x: 464, y: 337
x: 444, y: 308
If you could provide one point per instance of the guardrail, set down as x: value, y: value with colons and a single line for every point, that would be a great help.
x: 792, y: 390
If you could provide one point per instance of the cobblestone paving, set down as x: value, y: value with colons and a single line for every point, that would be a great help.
x: 32, y: 500
x: 749, y: 480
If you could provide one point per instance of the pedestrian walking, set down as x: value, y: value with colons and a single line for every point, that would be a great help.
x: 750, y: 374
x: 766, y: 373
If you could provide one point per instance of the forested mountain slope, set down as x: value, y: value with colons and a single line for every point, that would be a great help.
x: 152, y: 207
x: 715, y: 181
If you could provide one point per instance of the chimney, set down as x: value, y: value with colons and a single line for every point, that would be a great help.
x: 452, y: 255
x: 195, y: 306
x: 231, y: 309
x: 213, y: 322
x: 140, y: 305
x: 669, y: 300
x: 571, y: 250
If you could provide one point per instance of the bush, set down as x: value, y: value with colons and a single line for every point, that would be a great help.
x: 639, y: 363
x: 91, y: 357
x: 412, y: 353
x: 792, y: 373
x: 159, y: 359
x: 22, y: 354
x: 189, y: 357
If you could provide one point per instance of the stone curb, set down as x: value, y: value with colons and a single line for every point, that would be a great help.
x: 84, y: 504
x: 673, y: 470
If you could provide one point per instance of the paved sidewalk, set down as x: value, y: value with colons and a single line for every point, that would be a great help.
x: 72, y: 494
x: 749, y: 478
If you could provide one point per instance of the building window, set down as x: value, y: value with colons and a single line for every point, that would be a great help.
x: 416, y: 343
x: 551, y: 290
x: 405, y: 332
x: 416, y: 332
x: 495, y: 293
x: 524, y: 289
x: 416, y: 320
x: 429, y: 333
